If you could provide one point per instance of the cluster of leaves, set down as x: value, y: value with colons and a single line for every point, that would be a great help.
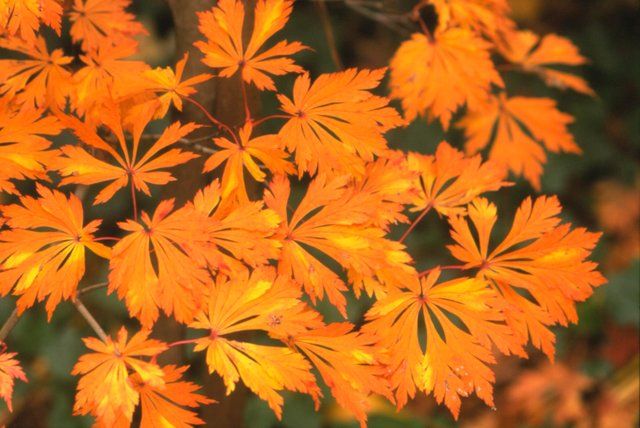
x: 229, y: 262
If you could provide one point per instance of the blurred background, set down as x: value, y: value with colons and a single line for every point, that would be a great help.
x: 595, y: 380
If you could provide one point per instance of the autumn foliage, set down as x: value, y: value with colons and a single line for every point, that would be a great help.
x: 245, y: 262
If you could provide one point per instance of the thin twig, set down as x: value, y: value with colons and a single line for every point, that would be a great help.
x: 400, y: 23
x: 92, y: 287
x: 90, y: 319
x: 328, y: 33
x: 9, y: 324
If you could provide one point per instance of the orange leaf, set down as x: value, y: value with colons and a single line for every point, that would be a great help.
x: 9, y: 371
x: 38, y: 81
x: 151, y: 267
x: 349, y: 364
x: 171, y: 85
x: 98, y: 23
x: 106, y: 75
x: 336, y: 123
x: 523, y: 126
x: 43, y: 252
x: 437, y: 77
x: 538, y: 55
x: 335, y: 221
x: 538, y: 257
x: 77, y: 166
x: 249, y: 302
x: 462, y: 319
x: 104, y: 389
x: 24, y: 152
x: 22, y: 18
x: 231, y: 235
x: 165, y: 405
x: 488, y: 17
x: 243, y: 155
x: 224, y: 48
x: 449, y: 180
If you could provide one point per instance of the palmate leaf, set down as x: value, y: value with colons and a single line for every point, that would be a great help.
x: 42, y: 254
x: 540, y: 55
x: 78, y: 166
x: 541, y: 268
x: 98, y: 23
x: 25, y: 151
x: 436, y: 77
x: 449, y: 180
x: 104, y: 388
x: 225, y: 49
x: 524, y: 127
x: 334, y: 220
x: 10, y: 370
x: 259, y: 301
x: 463, y: 320
x: 336, y: 124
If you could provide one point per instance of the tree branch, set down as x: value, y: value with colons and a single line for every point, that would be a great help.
x: 9, y: 324
x: 90, y: 319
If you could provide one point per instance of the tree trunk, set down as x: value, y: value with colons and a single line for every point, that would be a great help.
x: 221, y: 97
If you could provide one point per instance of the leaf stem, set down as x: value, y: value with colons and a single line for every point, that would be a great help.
x: 415, y: 222
x: 133, y: 199
x: 270, y: 117
x: 213, y: 119
x: 245, y: 100
x: 184, y: 342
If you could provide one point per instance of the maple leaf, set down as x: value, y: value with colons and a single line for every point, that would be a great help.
x: 241, y: 155
x: 538, y: 55
x: 43, y: 252
x: 333, y: 220
x: 540, y: 267
x: 254, y: 302
x: 488, y: 17
x: 336, y: 123
x: 107, y: 75
x: 435, y: 77
x: 518, y: 128
x: 224, y: 48
x: 9, y: 371
x: 233, y: 235
x: 37, y: 81
x: 77, y: 166
x: 551, y: 392
x: 104, y: 389
x: 151, y: 267
x: 462, y: 320
x: 22, y: 18
x: 165, y: 405
x: 24, y: 150
x: 349, y: 364
x: 388, y: 185
x: 170, y: 84
x: 449, y: 180
x: 98, y: 23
